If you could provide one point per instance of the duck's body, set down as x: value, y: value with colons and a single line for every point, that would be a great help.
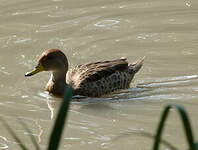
x: 92, y: 79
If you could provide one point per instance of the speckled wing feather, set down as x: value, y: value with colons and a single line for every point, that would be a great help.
x: 92, y: 72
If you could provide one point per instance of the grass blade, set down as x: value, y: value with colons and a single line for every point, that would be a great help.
x: 148, y: 135
x: 196, y: 145
x: 22, y: 146
x: 186, y: 125
x: 60, y: 120
x: 166, y: 143
x: 31, y: 136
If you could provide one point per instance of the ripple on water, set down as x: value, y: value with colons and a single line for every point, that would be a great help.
x: 106, y: 23
x: 177, y: 88
x: 37, y: 10
x: 174, y: 81
x: 45, y: 95
x: 3, y: 145
x: 3, y: 70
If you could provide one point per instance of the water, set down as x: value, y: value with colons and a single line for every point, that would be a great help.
x: 166, y: 32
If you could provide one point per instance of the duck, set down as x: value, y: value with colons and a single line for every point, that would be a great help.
x: 93, y: 79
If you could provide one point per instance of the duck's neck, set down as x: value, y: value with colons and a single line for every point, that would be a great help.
x: 56, y: 83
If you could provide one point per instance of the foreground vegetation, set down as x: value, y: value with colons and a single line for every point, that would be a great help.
x: 55, y: 137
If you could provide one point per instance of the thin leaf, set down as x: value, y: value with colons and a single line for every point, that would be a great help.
x: 196, y: 145
x: 23, y: 147
x: 166, y: 143
x: 55, y: 136
x: 186, y: 125
x: 30, y: 135
x: 148, y: 135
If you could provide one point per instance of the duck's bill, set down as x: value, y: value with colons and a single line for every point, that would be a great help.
x: 37, y: 69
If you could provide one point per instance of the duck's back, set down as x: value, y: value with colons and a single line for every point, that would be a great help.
x: 99, y: 78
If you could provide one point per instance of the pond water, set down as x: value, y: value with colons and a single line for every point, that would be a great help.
x: 166, y: 32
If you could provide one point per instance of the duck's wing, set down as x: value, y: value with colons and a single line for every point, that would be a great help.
x: 92, y: 72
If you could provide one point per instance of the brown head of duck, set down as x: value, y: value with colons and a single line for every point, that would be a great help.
x: 55, y: 61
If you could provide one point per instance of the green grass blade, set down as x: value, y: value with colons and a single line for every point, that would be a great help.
x: 60, y: 121
x: 196, y: 145
x: 31, y: 136
x: 166, y: 143
x: 147, y: 135
x: 21, y: 145
x: 186, y: 125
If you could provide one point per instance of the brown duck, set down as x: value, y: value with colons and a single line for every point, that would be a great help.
x: 91, y: 79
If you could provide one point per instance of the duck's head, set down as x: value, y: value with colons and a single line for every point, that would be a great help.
x: 50, y: 60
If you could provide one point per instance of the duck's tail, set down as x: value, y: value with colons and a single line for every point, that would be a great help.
x: 135, y: 67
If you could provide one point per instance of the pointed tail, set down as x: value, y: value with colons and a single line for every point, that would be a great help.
x: 135, y: 67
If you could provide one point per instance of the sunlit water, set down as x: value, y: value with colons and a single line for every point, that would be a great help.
x: 166, y: 32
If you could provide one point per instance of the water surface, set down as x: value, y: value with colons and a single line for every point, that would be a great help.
x: 166, y: 32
